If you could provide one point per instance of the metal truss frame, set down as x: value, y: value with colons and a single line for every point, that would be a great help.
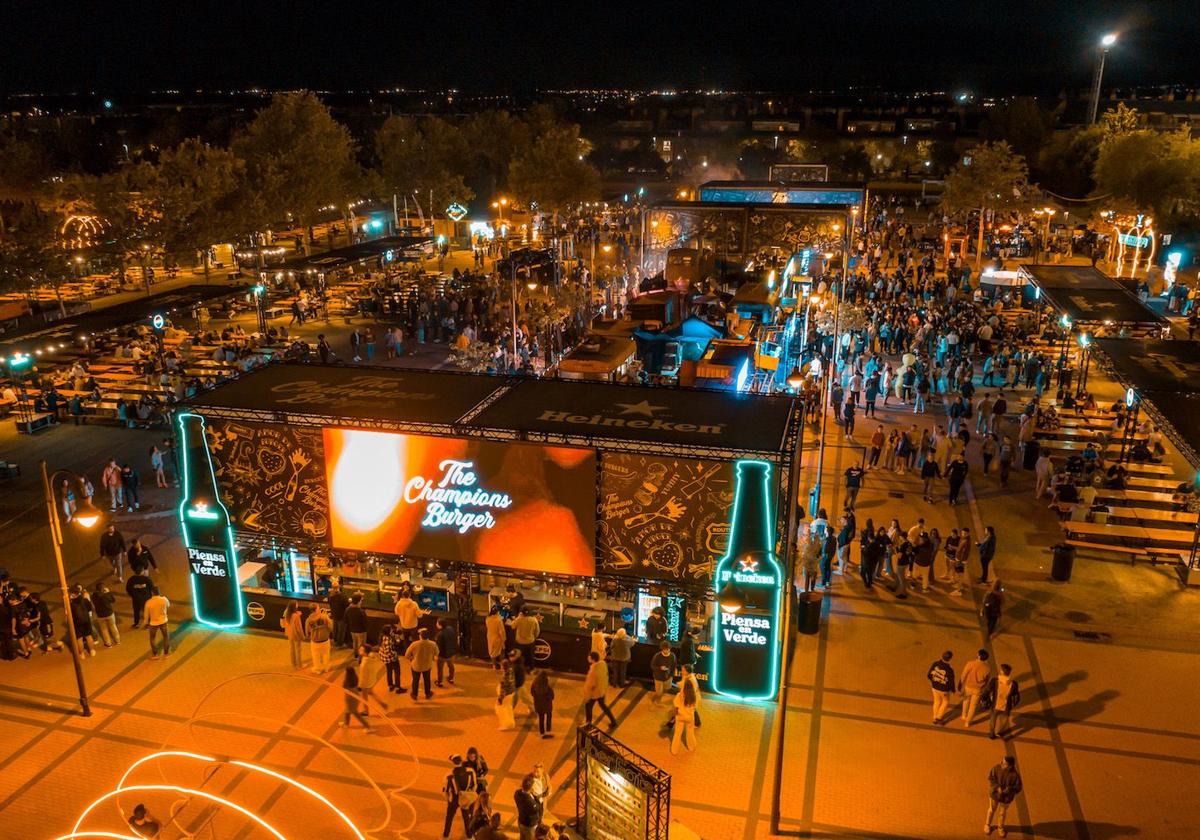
x: 647, y: 777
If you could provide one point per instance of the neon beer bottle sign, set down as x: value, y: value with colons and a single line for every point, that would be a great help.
x: 748, y: 583
x: 207, y: 533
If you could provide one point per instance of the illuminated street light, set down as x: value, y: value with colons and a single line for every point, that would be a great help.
x: 1105, y: 44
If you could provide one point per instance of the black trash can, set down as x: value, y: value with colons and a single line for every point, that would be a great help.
x: 1032, y: 450
x: 808, y: 612
x: 1064, y: 562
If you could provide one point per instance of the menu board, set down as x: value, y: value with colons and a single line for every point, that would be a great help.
x: 616, y: 809
x: 662, y: 518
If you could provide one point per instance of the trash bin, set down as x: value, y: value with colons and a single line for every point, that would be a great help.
x: 808, y: 612
x: 1064, y: 562
x: 1032, y: 450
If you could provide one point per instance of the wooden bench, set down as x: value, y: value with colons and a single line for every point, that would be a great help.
x: 1155, y: 556
x: 35, y: 424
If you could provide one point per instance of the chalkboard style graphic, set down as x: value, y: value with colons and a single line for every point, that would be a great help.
x: 273, y: 477
x: 661, y: 517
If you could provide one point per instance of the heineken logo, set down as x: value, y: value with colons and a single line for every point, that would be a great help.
x: 639, y: 415
x: 358, y: 389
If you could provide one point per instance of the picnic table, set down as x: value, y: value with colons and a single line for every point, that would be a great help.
x: 1154, y: 544
x: 1140, y: 498
x: 1154, y: 518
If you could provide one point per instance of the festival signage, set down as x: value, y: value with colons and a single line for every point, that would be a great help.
x: 508, y: 505
x: 749, y: 585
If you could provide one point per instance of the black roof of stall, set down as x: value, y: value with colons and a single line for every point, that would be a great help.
x: 1087, y: 295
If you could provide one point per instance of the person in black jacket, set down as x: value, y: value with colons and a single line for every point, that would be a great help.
x: 337, y: 612
x: 447, y: 644
x: 529, y: 809
x: 112, y: 549
x: 461, y: 789
x: 956, y: 474
x: 138, y: 589
x: 355, y: 619
x: 1005, y: 783
x: 987, y: 550
x: 140, y: 558
x: 941, y: 680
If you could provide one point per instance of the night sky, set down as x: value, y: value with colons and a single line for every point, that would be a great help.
x: 992, y: 47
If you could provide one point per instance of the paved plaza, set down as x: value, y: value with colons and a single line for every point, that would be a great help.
x: 1105, y: 738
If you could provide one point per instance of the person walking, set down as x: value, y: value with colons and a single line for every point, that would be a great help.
x: 1004, y: 456
x: 987, y: 550
x: 543, y: 702
x: 130, y: 482
x: 139, y: 557
x: 930, y: 472
x: 1005, y: 696
x: 685, y: 702
x: 1043, y: 470
x: 355, y: 618
x: 319, y: 629
x: 974, y: 679
x: 595, y: 686
x: 620, y: 651
x: 956, y: 475
x: 156, y: 620
x: 352, y: 695
x: 529, y: 809
x: 111, y: 479
x: 104, y: 615
x: 447, y: 645
x: 421, y: 655
x: 112, y: 549
x: 292, y: 623
x: 462, y: 790
x: 1004, y: 784
x: 520, y: 682
x: 878, y: 439
x: 662, y: 669
x: 993, y: 605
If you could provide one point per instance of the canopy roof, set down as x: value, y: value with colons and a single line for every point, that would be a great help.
x: 371, y: 249
x: 1086, y: 295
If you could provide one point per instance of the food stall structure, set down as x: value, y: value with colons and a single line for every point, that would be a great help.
x: 587, y: 503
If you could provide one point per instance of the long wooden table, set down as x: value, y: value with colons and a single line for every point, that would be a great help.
x: 1154, y: 518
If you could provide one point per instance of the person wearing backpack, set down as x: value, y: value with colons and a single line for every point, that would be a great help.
x: 461, y: 789
x: 1005, y: 695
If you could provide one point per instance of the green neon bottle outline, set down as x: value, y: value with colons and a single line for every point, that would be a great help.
x: 769, y: 542
x: 230, y: 549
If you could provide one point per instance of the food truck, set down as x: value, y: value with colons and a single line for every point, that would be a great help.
x: 588, y: 504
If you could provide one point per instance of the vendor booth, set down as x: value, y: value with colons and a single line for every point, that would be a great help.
x: 591, y: 506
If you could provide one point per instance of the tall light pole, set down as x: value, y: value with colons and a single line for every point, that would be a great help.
x: 1105, y: 44
x: 87, y: 516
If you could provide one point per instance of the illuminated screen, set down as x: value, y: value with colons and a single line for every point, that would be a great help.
x: 508, y: 505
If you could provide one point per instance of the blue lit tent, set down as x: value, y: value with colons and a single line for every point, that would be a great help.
x: 692, y: 335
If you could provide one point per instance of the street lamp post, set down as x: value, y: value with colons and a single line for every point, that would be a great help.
x: 1105, y: 43
x: 87, y: 516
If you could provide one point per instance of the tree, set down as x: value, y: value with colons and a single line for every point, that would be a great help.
x: 29, y: 250
x: 1117, y: 122
x: 426, y: 157
x: 1022, y: 123
x: 989, y: 178
x: 195, y: 192
x: 551, y: 171
x: 120, y: 200
x: 1159, y: 173
x: 1068, y: 160
x: 24, y: 167
x: 298, y: 158
x: 493, y: 138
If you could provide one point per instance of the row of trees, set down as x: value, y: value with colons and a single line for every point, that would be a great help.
x: 293, y: 161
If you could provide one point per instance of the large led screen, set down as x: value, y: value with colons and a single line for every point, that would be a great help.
x: 508, y: 505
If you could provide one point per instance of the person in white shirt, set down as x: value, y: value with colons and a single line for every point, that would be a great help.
x: 155, y: 612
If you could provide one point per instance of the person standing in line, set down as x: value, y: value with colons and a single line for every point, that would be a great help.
x: 104, y: 615
x: 138, y: 589
x: 956, y: 475
x: 447, y: 645
x: 390, y: 657
x: 156, y: 620
x: 526, y: 629
x: 319, y: 628
x: 656, y: 626
x: 1005, y: 696
x: 941, y: 680
x: 620, y: 651
x: 543, y: 702
x: 112, y: 549
x: 869, y: 552
x: 408, y: 613
x: 974, y: 679
x: 662, y: 669
x: 685, y: 718
x: 828, y: 550
x: 595, y: 686
x: 987, y: 551
x: 1005, y: 784
x: 962, y: 557
x: 529, y: 809
x: 421, y: 655
x: 355, y: 618
x: 930, y: 472
x: 293, y: 629
x: 854, y: 481
x: 497, y: 637
x: 338, y: 602
x: 845, y: 537
x: 993, y: 605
